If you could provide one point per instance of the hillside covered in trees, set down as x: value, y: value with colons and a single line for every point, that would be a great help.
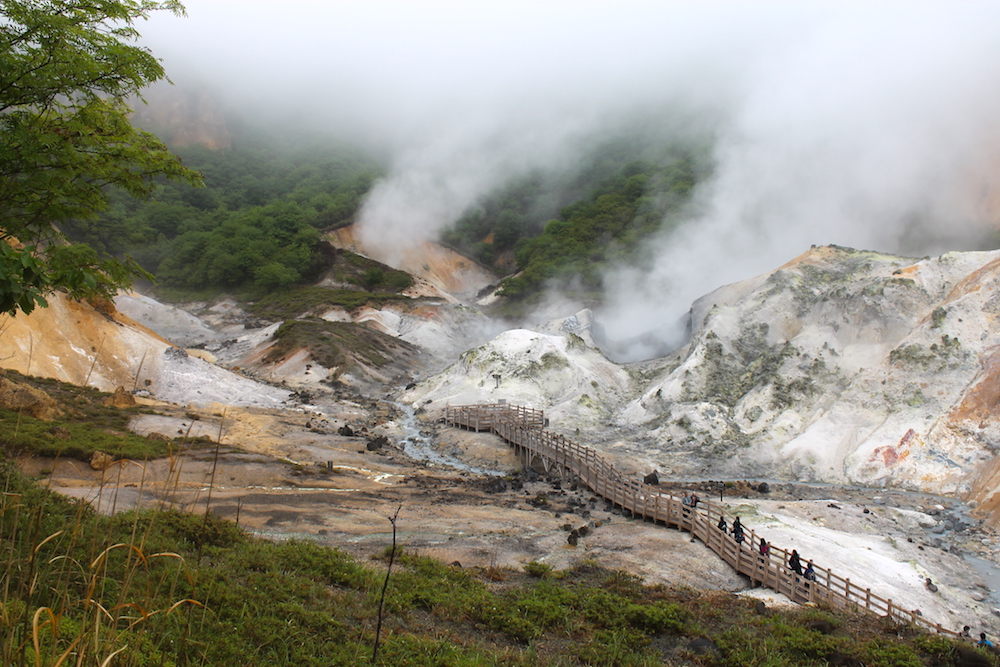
x: 257, y: 223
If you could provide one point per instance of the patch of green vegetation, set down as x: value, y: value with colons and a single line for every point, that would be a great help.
x: 336, y: 344
x: 728, y: 377
x: 913, y: 395
x: 351, y: 268
x: 549, y: 362
x: 574, y: 342
x: 785, y: 394
x: 86, y: 425
x: 877, y: 287
x: 536, y: 569
x: 938, y: 317
x: 950, y: 349
x: 937, y: 357
x: 684, y: 422
x: 913, y: 355
x: 23, y: 434
x: 294, y: 302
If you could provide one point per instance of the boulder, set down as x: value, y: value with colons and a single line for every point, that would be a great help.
x: 101, y: 461
x: 27, y: 400
x: 377, y: 443
x: 495, y: 485
x: 120, y: 399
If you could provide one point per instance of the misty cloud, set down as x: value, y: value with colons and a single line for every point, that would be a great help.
x: 868, y: 125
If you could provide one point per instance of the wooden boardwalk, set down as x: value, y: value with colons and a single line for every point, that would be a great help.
x: 523, y: 429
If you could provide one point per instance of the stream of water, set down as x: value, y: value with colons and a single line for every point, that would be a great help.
x: 419, y: 448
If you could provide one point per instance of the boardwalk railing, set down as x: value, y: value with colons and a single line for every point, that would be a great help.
x: 523, y: 429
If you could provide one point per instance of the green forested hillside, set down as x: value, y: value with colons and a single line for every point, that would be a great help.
x: 563, y: 230
x: 605, y: 228
x: 254, y: 225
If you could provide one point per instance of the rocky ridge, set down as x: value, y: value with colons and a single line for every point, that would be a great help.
x: 842, y: 366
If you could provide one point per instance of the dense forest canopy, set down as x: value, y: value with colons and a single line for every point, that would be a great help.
x: 254, y: 226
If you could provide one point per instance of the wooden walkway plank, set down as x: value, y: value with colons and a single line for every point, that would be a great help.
x: 523, y: 428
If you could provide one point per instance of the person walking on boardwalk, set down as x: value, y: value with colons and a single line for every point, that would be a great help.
x: 810, y: 573
x: 983, y: 641
x: 686, y: 505
x: 794, y: 563
x: 738, y: 530
x: 765, y: 551
x: 722, y: 524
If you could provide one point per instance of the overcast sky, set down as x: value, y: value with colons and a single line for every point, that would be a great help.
x: 873, y: 125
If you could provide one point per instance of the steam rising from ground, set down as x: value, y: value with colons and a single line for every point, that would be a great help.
x: 872, y: 126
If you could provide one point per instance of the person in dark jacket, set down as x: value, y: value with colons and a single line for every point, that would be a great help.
x: 794, y: 563
x: 722, y: 524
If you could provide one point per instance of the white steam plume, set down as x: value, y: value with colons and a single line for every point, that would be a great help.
x: 880, y: 135
x: 871, y: 125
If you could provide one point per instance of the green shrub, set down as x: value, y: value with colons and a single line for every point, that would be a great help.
x: 660, y: 617
x: 883, y: 653
x: 536, y: 569
x: 621, y: 647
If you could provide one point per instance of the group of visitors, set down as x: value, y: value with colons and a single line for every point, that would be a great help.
x: 794, y: 560
x: 983, y: 641
x: 795, y: 565
x: 737, y: 528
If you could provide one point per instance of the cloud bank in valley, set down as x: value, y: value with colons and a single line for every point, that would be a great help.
x: 871, y: 126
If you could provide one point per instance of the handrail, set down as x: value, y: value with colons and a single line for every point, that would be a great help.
x: 524, y: 428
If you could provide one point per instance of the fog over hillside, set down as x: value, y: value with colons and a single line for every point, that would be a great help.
x: 872, y: 126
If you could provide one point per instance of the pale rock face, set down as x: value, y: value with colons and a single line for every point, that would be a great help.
x: 841, y: 366
x: 178, y: 326
x: 73, y: 342
x: 573, y: 382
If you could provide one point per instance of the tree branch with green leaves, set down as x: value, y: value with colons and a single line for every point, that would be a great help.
x: 68, y: 70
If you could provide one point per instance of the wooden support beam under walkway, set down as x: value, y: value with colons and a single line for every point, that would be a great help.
x: 523, y: 429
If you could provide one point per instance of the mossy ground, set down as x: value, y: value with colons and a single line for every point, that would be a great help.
x: 337, y: 344
x: 86, y: 425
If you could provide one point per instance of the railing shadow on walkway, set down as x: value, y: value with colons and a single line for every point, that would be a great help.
x: 523, y: 428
